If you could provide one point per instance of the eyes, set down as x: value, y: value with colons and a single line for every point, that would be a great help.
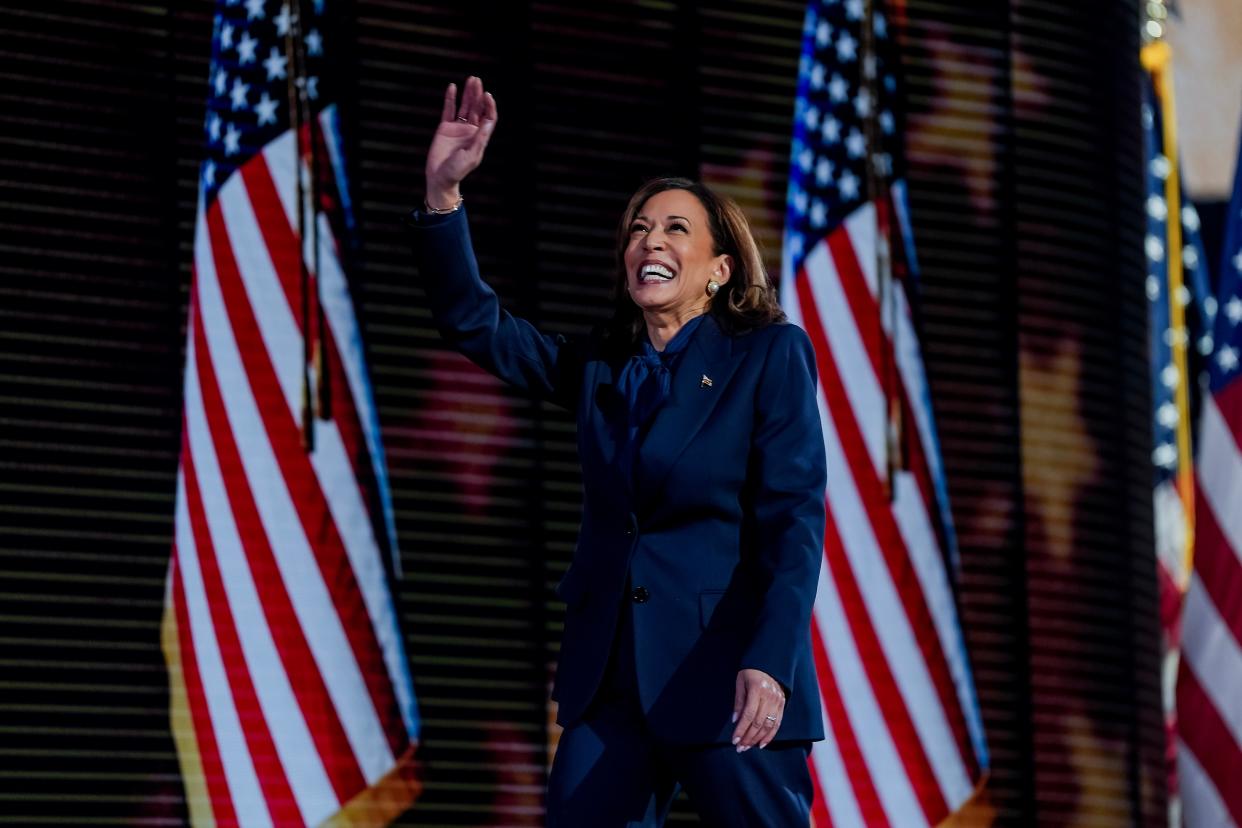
x: 638, y: 228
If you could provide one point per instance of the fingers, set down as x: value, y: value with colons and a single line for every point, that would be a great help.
x: 488, y: 123
x: 739, y: 699
x: 761, y: 711
x: 472, y: 101
x: 449, y: 110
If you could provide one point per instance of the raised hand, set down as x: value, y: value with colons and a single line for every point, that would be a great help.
x: 460, y: 139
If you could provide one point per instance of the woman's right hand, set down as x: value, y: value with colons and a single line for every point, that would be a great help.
x: 457, y: 147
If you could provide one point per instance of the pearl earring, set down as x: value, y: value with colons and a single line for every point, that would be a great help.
x: 712, y: 287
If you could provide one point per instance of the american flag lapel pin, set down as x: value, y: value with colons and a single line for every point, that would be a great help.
x: 706, y: 382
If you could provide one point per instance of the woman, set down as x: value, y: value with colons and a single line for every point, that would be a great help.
x: 686, y: 641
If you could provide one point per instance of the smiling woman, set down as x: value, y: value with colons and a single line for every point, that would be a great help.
x: 671, y: 220
x: 686, y: 640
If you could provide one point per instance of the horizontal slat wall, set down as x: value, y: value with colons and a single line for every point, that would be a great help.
x: 100, y: 127
x: 95, y: 186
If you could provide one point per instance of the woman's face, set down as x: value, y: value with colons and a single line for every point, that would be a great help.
x: 669, y: 259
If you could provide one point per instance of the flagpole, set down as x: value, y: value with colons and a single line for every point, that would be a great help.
x: 315, y: 392
x: 1157, y: 60
x: 879, y: 175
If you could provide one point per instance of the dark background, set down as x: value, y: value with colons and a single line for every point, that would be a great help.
x: 1025, y: 180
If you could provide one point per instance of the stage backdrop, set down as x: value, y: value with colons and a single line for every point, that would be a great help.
x: 1026, y: 190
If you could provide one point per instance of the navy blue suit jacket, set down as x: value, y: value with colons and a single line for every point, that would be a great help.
x: 725, y: 526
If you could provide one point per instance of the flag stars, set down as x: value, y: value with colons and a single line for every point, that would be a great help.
x: 1183, y: 295
x: 226, y: 37
x: 238, y: 94
x: 831, y: 131
x: 823, y: 172
x: 1154, y: 248
x: 862, y: 103
x: 1227, y: 359
x: 214, y: 125
x: 812, y: 118
x: 1237, y: 261
x: 880, y: 25
x: 254, y: 10
x: 806, y: 159
x: 1156, y: 208
x: 1169, y: 376
x: 245, y: 49
x: 283, y: 20
x: 1190, y: 218
x: 823, y: 34
x: 887, y: 124
x: 799, y: 202
x: 275, y: 65
x: 856, y: 144
x: 847, y: 48
x: 1159, y: 167
x: 232, y: 141
x: 838, y: 89
x: 819, y: 214
x: 1209, y: 307
x: 266, y: 110
x: 854, y: 9
x: 1206, y: 344
x: 1164, y: 456
x: 1153, y: 287
x: 314, y: 43
x: 209, y: 173
x: 221, y: 81
x: 848, y: 185
x: 817, y: 76
x: 1233, y: 310
x: 1166, y: 415
x: 312, y: 87
x: 1190, y: 257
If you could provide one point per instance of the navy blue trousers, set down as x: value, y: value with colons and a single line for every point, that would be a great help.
x: 610, y: 770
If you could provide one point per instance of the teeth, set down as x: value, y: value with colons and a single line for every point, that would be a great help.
x: 655, y: 273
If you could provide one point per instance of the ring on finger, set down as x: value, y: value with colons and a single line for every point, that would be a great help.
x: 463, y: 120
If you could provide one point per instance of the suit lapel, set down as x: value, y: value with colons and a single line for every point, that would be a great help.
x: 599, y: 455
x: 699, y: 383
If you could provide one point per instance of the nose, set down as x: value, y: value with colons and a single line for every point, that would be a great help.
x: 654, y: 240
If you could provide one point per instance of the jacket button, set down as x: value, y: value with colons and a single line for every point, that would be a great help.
x: 640, y: 595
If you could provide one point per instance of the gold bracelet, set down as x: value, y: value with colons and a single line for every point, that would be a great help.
x: 441, y: 211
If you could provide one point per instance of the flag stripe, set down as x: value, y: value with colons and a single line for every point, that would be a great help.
x: 1220, y: 472
x: 296, y: 700
x: 1218, y: 569
x: 1204, y: 733
x: 1201, y: 802
x: 862, y: 804
x: 907, y: 634
x: 299, y: 509
x: 917, y: 513
x: 1214, y: 655
x: 221, y: 804
x: 282, y: 546
x: 262, y: 749
x: 343, y: 441
x: 878, y: 672
x: 244, y: 791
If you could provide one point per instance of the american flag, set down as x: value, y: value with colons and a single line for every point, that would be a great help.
x: 1209, y: 684
x: 905, y: 744
x: 1180, y: 313
x: 291, y: 697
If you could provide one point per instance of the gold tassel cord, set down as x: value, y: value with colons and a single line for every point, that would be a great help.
x: 1157, y: 60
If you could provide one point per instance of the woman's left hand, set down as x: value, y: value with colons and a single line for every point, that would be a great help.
x: 758, y: 707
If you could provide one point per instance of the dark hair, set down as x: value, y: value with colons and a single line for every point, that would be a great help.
x: 747, y: 301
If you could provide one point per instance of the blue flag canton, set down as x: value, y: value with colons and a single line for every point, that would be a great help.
x: 1223, y: 367
x: 248, y: 97
x: 828, y: 170
x: 1194, y: 296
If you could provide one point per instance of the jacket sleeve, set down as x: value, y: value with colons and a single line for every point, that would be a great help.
x: 790, y: 479
x: 468, y: 314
